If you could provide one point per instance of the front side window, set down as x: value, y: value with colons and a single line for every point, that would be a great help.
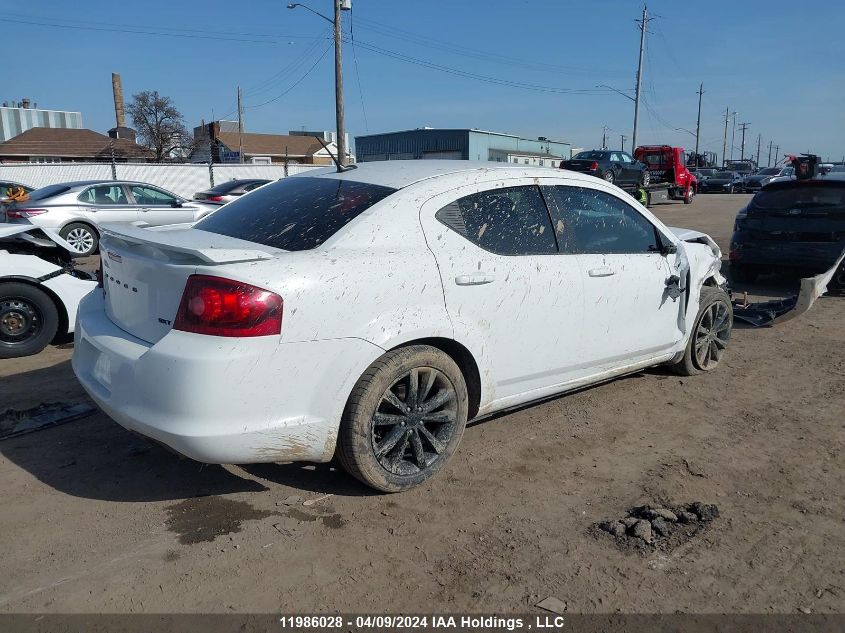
x: 149, y: 195
x: 295, y: 214
x: 103, y: 195
x: 508, y: 221
x: 592, y: 221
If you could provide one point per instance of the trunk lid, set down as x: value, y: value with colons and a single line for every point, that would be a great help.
x: 145, y: 271
x: 577, y: 164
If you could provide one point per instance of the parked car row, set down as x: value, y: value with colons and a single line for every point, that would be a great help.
x: 77, y: 210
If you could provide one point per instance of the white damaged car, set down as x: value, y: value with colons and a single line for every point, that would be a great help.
x: 40, y: 289
x: 368, y: 314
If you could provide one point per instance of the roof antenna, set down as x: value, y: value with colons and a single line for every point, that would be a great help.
x: 340, y: 168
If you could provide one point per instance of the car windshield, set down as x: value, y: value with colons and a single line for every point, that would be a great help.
x: 48, y: 192
x: 295, y: 214
x: 770, y: 171
x: 802, y: 196
x: 590, y: 155
x: 725, y: 174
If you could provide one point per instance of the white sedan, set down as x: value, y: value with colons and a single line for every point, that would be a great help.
x: 368, y: 314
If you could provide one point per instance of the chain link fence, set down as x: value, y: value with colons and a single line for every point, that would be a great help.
x: 182, y: 179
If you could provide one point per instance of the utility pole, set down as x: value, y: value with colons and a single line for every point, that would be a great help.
x: 758, y: 149
x: 623, y: 141
x: 338, y: 84
x: 743, y: 127
x: 725, y: 142
x: 698, y: 123
x: 733, y: 136
x: 643, y: 26
x: 240, y: 128
x: 769, y: 162
x: 777, y: 153
x: 604, y: 137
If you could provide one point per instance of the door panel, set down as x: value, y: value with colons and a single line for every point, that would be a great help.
x: 103, y: 204
x: 627, y: 302
x: 505, y: 285
x: 156, y: 207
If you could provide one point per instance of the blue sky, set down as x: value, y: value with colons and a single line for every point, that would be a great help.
x: 778, y: 64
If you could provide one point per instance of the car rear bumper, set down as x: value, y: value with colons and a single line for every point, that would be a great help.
x: 817, y: 256
x: 220, y: 400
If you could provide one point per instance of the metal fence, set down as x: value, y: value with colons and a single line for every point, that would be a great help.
x: 182, y: 179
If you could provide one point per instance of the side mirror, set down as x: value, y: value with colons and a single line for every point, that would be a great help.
x: 176, y: 204
x: 668, y: 249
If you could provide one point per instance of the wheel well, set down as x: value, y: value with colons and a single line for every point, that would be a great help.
x: 466, y: 363
x: 84, y: 222
x: 60, y: 307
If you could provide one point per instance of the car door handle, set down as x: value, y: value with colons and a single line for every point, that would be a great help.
x: 601, y: 271
x: 474, y: 279
x: 144, y: 209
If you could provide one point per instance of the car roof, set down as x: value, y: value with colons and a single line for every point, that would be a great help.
x: 836, y: 180
x: 398, y: 174
x: 87, y: 183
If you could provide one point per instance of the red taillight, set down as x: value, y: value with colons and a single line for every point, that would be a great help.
x: 594, y: 166
x: 223, y: 307
x: 23, y: 214
x: 215, y: 198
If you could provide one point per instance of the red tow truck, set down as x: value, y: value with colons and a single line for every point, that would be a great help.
x: 670, y: 178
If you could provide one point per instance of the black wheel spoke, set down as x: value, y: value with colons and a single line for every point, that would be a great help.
x: 399, y: 455
x: 429, y: 383
x: 394, y: 400
x: 413, y: 387
x: 385, y: 419
x: 417, y: 447
x: 439, y: 400
x: 436, y: 444
x: 439, y: 417
x: 390, y: 441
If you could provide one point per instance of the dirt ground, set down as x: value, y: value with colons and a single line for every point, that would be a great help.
x: 95, y: 519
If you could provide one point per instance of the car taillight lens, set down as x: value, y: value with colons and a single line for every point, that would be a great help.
x: 23, y: 214
x: 215, y: 198
x: 224, y: 307
x: 594, y: 166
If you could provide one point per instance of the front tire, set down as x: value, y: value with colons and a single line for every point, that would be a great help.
x: 404, y: 419
x: 28, y: 320
x: 710, y: 333
x: 82, y: 237
x: 689, y: 195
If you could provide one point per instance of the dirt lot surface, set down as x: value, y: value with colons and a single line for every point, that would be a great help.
x: 96, y: 519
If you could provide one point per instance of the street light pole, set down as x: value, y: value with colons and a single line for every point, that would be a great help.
x: 339, y: 5
x: 338, y: 85
x: 698, y: 124
x: 643, y: 26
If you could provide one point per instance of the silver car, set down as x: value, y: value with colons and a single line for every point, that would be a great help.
x: 228, y: 191
x: 77, y: 209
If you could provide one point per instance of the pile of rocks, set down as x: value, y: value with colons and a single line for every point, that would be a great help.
x: 650, y: 524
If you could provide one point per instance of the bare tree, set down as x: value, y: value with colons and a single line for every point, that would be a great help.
x: 159, y: 124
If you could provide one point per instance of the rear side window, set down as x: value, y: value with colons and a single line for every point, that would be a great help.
x: 509, y: 221
x: 103, y: 195
x: 591, y: 221
x: 48, y: 192
x: 295, y: 214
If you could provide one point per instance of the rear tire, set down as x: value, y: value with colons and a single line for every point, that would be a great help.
x: 609, y: 176
x: 646, y: 178
x: 404, y: 419
x: 28, y: 320
x: 710, y: 333
x: 82, y: 237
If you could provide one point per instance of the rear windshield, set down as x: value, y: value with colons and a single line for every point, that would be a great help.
x: 769, y: 171
x: 589, y: 155
x: 653, y: 159
x: 47, y: 192
x: 295, y: 214
x: 801, y: 197
x: 725, y: 174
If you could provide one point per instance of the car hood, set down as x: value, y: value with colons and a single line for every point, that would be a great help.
x: 696, y: 237
x: 30, y: 233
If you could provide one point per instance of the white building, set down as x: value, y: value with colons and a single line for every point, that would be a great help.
x: 16, y: 118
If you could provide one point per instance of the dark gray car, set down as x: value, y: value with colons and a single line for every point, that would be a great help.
x: 228, y: 191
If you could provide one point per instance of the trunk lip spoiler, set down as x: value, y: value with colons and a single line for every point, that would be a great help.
x: 211, y: 248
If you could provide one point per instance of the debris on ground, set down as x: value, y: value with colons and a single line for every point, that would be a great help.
x: 14, y: 422
x: 553, y: 605
x: 664, y: 526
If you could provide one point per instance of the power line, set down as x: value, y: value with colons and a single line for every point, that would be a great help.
x: 469, y: 75
x: 357, y: 73
x: 296, y: 83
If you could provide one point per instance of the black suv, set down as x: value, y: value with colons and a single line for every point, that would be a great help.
x: 796, y: 225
